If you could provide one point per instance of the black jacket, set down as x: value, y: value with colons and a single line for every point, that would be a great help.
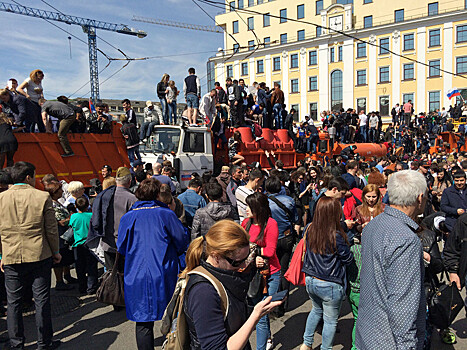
x: 455, y: 249
x: 329, y: 267
x: 430, y: 245
x: 451, y: 200
x: 236, y: 285
x: 19, y: 108
x: 161, y: 87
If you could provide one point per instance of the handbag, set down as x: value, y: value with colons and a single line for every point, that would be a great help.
x: 258, y: 285
x: 69, y: 236
x: 444, y: 304
x: 294, y: 273
x: 111, y: 291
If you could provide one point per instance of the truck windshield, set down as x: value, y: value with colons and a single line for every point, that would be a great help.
x: 162, y: 140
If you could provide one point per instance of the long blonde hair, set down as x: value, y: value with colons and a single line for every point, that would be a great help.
x: 223, y: 238
x: 4, y: 119
x: 164, y: 77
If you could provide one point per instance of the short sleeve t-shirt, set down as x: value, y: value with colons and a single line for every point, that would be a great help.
x: 80, y: 224
x: 57, y: 109
x: 363, y: 119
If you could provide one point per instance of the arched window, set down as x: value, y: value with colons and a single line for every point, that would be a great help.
x: 336, y: 90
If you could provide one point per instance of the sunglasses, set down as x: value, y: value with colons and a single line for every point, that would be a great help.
x: 235, y: 263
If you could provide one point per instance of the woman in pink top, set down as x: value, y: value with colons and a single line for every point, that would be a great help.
x: 263, y: 232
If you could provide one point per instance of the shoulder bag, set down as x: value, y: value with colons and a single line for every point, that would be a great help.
x: 258, y: 285
x: 111, y: 291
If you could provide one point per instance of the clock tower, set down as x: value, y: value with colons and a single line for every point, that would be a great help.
x: 337, y: 17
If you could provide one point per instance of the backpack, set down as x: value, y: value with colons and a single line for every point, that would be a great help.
x: 174, y: 325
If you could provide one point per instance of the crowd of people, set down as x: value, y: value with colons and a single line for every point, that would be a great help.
x: 374, y: 230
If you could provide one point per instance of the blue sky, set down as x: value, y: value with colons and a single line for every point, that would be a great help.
x: 31, y: 43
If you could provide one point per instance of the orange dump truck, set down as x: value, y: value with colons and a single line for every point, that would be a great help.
x: 92, y: 151
x: 446, y: 142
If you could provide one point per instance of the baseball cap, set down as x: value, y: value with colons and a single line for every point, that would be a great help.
x: 122, y: 171
x: 149, y: 103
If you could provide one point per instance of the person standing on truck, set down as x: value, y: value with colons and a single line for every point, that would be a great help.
x: 192, y: 91
x: 130, y: 134
x: 161, y: 93
x: 66, y: 115
x: 207, y: 107
x: 277, y: 100
x: 235, y: 102
x: 130, y: 113
x: 32, y: 89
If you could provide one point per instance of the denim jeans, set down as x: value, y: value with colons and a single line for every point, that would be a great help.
x: 165, y: 114
x: 326, y: 298
x: 363, y: 133
x: 172, y: 112
x: 146, y: 129
x: 263, y: 330
x: 277, y: 109
x: 133, y: 154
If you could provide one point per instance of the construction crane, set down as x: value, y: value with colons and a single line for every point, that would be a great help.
x: 89, y: 27
x: 162, y: 22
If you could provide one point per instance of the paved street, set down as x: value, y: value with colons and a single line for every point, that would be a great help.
x: 82, y: 323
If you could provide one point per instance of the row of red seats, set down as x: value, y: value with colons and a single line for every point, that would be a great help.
x: 272, y: 140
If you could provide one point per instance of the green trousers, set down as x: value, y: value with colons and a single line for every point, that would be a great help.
x: 354, y: 300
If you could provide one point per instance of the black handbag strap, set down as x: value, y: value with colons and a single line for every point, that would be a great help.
x: 248, y: 226
x: 115, y: 267
x: 283, y: 207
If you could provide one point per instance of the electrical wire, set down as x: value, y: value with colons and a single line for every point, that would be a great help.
x: 222, y: 6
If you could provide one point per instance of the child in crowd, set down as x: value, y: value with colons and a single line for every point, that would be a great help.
x: 86, y: 263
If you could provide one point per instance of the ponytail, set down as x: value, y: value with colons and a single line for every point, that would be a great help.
x: 193, y: 256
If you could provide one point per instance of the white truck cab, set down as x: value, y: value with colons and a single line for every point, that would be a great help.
x: 188, y: 148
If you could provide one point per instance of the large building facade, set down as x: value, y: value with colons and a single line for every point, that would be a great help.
x: 363, y: 53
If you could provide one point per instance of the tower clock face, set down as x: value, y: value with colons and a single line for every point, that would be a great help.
x: 336, y: 22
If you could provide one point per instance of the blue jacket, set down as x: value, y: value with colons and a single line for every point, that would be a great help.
x: 192, y: 201
x: 283, y: 220
x: 329, y: 267
x: 151, y: 238
x: 102, y: 220
x: 451, y: 200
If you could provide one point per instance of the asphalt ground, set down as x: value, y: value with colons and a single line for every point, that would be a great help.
x: 82, y: 323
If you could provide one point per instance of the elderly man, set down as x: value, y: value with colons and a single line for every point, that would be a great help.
x: 392, y: 308
x: 29, y: 244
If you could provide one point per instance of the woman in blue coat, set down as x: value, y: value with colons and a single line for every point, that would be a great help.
x: 151, y: 238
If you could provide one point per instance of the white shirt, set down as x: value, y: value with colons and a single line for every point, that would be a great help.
x: 207, y: 106
x: 373, y: 121
x: 363, y: 119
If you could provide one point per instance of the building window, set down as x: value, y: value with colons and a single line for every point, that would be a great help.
x: 339, y: 53
x: 235, y: 27
x: 294, y: 85
x: 434, y: 37
x: 361, y: 50
x: 461, y: 34
x: 300, y: 11
x: 251, y: 3
x: 251, y: 23
x: 284, y: 38
x: 361, y: 105
x: 367, y: 21
x: 319, y: 30
x: 313, y: 83
x: 301, y: 35
x: 384, y: 74
x: 361, y: 77
x: 312, y: 58
x: 408, y: 71
x: 266, y: 20
x: 236, y: 48
x: 296, y: 116
x: 433, y: 100
x: 294, y: 60
x: 251, y: 45
x: 314, y: 110
x: 331, y: 54
x: 267, y: 42
x: 407, y: 97
x: 240, y: 4
x: 399, y: 15
x: 319, y: 6
x: 434, y: 68
x: 276, y: 63
x: 245, y: 68
x: 384, y: 105
x: 232, y: 6
x: 383, y: 46
x: 259, y: 67
x: 259, y: 2
x: 229, y: 71
x: 461, y: 65
x: 409, y: 43
x: 367, y: 2
x: 433, y: 9
x: 336, y: 90
x: 283, y: 14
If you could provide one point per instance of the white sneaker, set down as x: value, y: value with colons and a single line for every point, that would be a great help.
x: 269, y: 344
x: 259, y: 138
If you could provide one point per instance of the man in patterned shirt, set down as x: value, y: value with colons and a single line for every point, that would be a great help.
x: 392, y: 306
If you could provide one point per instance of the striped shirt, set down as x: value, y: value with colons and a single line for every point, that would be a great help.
x: 240, y: 194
